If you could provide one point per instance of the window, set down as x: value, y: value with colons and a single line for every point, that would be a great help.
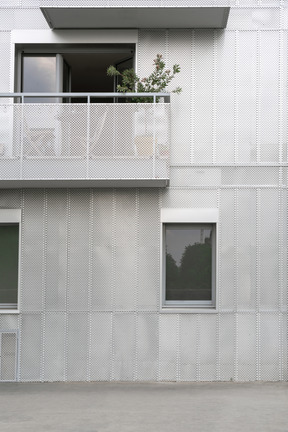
x: 9, y: 258
x: 189, y: 257
x: 69, y: 68
x: 39, y: 75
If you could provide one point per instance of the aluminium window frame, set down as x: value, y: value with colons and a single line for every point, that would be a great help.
x: 189, y: 216
x: 12, y: 216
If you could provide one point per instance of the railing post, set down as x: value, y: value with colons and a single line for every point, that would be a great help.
x: 22, y: 137
x: 154, y: 137
x: 88, y: 136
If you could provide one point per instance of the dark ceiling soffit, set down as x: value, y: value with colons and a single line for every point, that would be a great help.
x: 138, y: 17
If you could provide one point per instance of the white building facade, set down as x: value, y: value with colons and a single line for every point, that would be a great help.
x: 88, y: 218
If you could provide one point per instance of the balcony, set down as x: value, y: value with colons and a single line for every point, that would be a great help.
x: 93, y: 144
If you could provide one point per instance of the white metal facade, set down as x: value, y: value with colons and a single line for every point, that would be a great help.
x: 90, y: 258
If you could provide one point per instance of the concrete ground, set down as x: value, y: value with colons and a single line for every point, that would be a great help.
x: 144, y: 407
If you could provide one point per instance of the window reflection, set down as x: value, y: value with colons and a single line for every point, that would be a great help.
x: 9, y: 241
x: 39, y: 76
x: 189, y: 262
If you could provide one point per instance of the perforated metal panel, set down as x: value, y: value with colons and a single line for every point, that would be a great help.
x: 31, y: 347
x: 83, y: 141
x: 53, y: 340
x: 124, y: 347
x: 148, y: 251
x: 8, y: 355
x: 147, y: 337
x: 5, y: 62
x: 134, y: 3
x: 103, y: 251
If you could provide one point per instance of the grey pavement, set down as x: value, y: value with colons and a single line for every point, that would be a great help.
x: 143, y: 407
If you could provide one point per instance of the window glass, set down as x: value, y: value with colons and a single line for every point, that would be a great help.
x: 39, y: 76
x: 189, y: 258
x: 76, y: 68
x: 9, y: 247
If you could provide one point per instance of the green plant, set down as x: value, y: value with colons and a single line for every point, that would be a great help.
x: 156, y: 82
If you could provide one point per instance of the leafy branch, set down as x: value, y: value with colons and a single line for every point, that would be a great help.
x: 156, y: 82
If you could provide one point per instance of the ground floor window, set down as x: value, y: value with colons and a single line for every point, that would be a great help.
x: 188, y: 258
x: 9, y: 258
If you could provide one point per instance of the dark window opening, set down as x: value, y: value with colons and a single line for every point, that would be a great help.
x: 79, y: 68
x: 9, y: 242
x: 189, y: 263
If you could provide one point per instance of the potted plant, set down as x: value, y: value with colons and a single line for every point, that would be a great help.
x: 156, y: 82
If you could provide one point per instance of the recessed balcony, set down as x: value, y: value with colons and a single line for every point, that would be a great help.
x: 94, y: 144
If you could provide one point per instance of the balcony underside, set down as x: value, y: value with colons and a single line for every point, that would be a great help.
x: 83, y: 183
x: 135, y: 17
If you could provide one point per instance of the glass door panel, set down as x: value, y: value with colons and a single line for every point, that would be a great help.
x: 39, y: 76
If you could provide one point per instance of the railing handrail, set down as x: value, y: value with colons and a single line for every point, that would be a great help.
x: 88, y: 95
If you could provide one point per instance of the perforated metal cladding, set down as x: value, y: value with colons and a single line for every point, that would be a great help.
x: 147, y: 340
x: 103, y: 259
x: 226, y: 250
x: 31, y: 347
x: 134, y: 3
x: 5, y: 62
x: 227, y: 352
x: 246, y: 246
x: 56, y: 244
x: 230, y: 98
x: 267, y: 234
x: 90, y: 280
x: 124, y: 346
x: 148, y: 251
x: 32, y: 262
x: 189, y: 338
x: 101, y: 359
x: 77, y: 346
x: 178, y: 45
x: 247, y: 347
x: 226, y: 99
x: 125, y: 251
x: 10, y: 3
x: 53, y: 339
x: 82, y: 141
x: 78, y: 241
x: 168, y: 353
x: 8, y: 356
x: 147, y: 2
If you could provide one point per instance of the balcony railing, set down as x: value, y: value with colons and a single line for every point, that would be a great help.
x: 107, y: 141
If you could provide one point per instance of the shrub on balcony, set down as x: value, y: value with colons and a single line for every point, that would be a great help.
x: 156, y: 82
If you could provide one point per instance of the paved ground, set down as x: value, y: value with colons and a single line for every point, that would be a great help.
x: 145, y: 407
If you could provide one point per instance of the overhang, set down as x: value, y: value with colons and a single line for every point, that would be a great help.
x: 84, y: 183
x: 135, y: 17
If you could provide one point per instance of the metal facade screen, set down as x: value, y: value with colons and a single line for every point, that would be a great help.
x: 89, y: 292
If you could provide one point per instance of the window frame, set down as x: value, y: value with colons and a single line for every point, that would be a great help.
x: 197, y: 217
x: 58, y: 51
x: 35, y: 41
x: 12, y: 216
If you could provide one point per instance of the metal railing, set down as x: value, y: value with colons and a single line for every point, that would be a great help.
x: 97, y: 95
x: 134, y: 137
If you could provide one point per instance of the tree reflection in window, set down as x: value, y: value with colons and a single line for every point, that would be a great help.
x: 191, y: 278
